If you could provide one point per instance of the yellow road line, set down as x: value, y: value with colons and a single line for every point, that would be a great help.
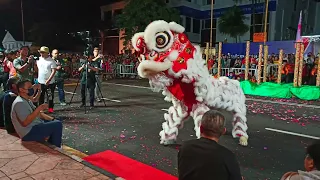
x: 71, y: 84
x: 74, y: 152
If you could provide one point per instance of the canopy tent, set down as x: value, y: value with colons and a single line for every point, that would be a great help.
x: 311, y: 44
x: 9, y: 43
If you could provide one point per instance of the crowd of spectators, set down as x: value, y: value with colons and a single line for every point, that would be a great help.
x: 238, y: 61
x: 26, y: 80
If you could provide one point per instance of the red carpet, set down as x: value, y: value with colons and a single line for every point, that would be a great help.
x: 126, y: 168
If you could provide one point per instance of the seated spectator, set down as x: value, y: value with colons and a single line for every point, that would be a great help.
x: 311, y: 164
x: 6, y: 103
x: 30, y: 123
x: 204, y: 158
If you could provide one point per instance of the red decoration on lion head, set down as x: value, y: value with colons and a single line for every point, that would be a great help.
x: 163, y: 45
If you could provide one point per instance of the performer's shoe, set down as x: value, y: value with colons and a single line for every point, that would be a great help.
x: 243, y: 141
x: 168, y: 142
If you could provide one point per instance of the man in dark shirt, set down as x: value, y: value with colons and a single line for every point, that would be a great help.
x: 88, y: 80
x: 204, y: 158
x: 8, y: 99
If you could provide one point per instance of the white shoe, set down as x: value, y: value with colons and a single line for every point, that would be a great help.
x: 63, y: 104
x: 168, y: 142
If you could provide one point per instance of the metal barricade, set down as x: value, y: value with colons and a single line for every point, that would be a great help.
x: 127, y: 69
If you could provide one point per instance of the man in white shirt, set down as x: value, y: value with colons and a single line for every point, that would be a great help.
x: 47, y: 68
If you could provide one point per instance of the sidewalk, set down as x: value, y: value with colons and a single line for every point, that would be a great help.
x: 35, y: 161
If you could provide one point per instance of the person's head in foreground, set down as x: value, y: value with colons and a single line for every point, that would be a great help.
x: 311, y: 165
x: 12, y: 84
x: 25, y: 89
x: 212, y: 125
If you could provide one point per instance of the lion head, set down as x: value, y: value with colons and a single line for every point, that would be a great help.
x: 163, y: 47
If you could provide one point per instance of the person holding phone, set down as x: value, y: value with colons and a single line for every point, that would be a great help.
x: 25, y: 65
x: 29, y: 121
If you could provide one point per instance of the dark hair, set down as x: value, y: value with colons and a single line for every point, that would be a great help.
x: 25, y: 47
x: 313, y: 152
x: 22, y: 83
x: 12, y: 81
x: 213, y: 123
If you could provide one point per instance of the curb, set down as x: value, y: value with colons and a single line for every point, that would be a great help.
x: 80, y: 160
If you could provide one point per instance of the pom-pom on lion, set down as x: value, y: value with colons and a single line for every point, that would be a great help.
x: 175, y: 66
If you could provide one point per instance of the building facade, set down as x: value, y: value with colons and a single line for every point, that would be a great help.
x: 283, y: 16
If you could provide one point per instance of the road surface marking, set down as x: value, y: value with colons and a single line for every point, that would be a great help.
x: 292, y: 133
x: 284, y: 103
x: 66, y: 92
x: 249, y: 99
x: 164, y: 109
x: 126, y: 85
x: 113, y: 100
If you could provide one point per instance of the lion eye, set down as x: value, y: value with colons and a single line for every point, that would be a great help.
x: 162, y: 39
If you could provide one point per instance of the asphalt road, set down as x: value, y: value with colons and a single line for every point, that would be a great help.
x: 131, y: 121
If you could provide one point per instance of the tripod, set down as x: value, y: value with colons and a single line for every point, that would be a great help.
x: 86, y: 87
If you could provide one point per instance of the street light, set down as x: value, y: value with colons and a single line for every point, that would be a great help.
x: 211, y: 24
x: 22, y: 22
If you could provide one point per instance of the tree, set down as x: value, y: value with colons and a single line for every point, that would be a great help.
x: 232, y: 23
x: 137, y: 14
x: 253, y: 8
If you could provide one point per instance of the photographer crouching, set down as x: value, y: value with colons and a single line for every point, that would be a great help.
x: 88, y: 80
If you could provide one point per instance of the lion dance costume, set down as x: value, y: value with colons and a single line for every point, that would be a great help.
x: 175, y: 66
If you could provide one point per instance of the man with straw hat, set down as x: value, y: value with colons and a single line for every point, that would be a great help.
x: 46, y: 76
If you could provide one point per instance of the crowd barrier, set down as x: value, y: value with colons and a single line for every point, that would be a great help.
x: 123, y: 71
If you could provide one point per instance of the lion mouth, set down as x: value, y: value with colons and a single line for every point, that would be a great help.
x: 149, y: 68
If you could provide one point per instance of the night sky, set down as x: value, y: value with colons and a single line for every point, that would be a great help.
x: 78, y: 13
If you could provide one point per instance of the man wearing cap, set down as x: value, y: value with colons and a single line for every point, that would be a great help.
x: 204, y: 158
x: 25, y: 66
x: 47, y: 68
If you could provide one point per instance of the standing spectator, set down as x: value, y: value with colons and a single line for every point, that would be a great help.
x: 9, y: 62
x: 24, y: 66
x: 98, y: 59
x: 47, y: 69
x: 59, y: 76
x: 30, y: 122
x: 204, y: 158
x: 88, y: 80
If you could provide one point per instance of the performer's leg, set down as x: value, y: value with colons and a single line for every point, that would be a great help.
x: 97, y: 86
x: 174, y: 119
x: 240, y: 126
x: 197, y: 112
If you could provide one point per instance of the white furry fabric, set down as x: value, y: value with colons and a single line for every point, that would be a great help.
x: 148, y: 66
x: 159, y: 82
x: 176, y: 27
x: 134, y: 40
x: 150, y: 32
x: 222, y: 93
